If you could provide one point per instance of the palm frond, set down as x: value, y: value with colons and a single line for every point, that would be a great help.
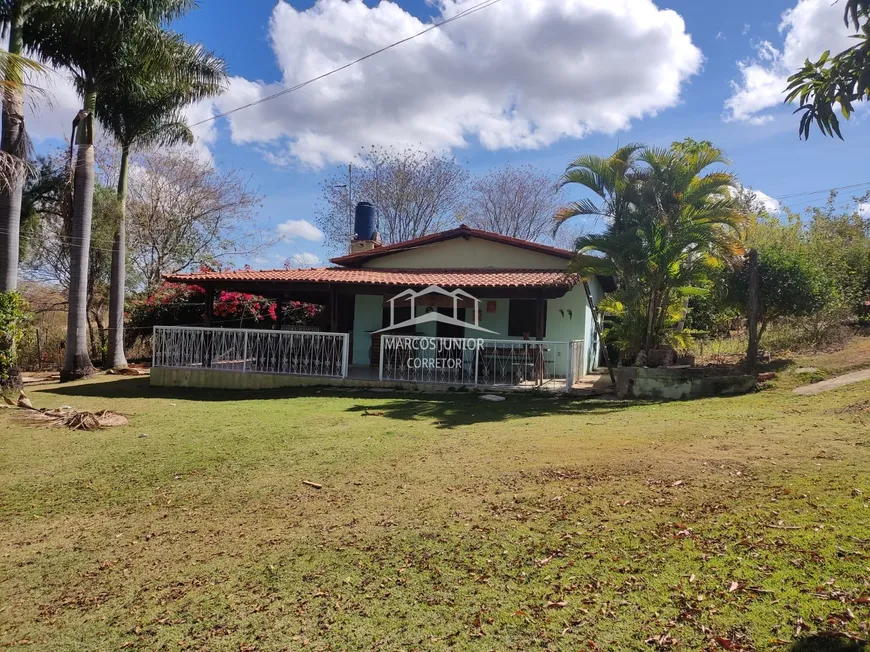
x: 142, y: 106
x: 16, y: 70
x: 575, y: 209
x: 169, y: 133
x: 587, y: 171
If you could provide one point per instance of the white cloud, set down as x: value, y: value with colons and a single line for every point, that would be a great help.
x: 204, y: 135
x: 864, y: 210
x: 809, y: 28
x: 770, y: 204
x: 50, y: 116
x: 762, y: 199
x: 519, y: 74
x: 305, y: 259
x: 292, y: 229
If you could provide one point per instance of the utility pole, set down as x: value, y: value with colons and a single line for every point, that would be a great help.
x: 752, y: 313
x: 347, y: 186
x: 350, y: 205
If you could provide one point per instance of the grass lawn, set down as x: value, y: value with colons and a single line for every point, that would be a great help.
x: 443, y: 523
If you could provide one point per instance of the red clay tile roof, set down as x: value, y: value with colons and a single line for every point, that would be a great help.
x: 463, y: 231
x: 469, y: 278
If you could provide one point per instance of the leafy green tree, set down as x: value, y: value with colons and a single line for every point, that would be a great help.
x: 610, y: 179
x: 142, y: 108
x: 106, y: 214
x: 678, y: 220
x: 789, y: 286
x: 43, y: 196
x: 14, y: 315
x: 839, y: 243
x: 833, y: 83
x: 836, y: 241
x: 690, y: 146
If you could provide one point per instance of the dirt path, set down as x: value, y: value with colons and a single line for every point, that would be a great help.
x: 833, y: 383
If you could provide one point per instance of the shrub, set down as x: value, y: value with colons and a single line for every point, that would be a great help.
x: 14, y: 317
x: 174, y: 304
x: 789, y: 286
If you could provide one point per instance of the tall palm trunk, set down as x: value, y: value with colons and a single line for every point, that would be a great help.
x: 12, y: 143
x: 117, y: 285
x: 78, y: 363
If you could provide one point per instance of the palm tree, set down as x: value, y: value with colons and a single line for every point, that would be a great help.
x: 13, y: 142
x: 88, y: 39
x: 609, y: 178
x: 683, y: 223
x: 144, y: 110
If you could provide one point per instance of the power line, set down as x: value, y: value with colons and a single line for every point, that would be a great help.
x: 471, y: 10
x: 843, y: 204
x: 817, y: 192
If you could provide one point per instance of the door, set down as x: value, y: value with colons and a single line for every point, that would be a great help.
x: 451, y: 358
x: 449, y: 330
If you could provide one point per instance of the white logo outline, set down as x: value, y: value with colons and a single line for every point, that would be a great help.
x: 434, y: 316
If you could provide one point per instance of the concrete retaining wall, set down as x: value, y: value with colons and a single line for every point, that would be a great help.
x: 212, y: 379
x: 679, y: 383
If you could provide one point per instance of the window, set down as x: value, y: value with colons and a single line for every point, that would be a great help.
x: 521, y: 317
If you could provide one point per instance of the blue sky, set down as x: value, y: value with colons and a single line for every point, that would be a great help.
x: 525, y: 81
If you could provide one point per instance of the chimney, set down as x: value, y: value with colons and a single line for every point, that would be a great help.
x: 365, y: 236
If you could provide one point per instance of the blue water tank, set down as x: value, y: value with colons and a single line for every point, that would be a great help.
x: 364, y: 221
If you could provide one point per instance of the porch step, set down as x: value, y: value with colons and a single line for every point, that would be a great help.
x: 594, y: 384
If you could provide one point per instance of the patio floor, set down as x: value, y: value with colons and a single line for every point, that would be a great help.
x: 592, y: 384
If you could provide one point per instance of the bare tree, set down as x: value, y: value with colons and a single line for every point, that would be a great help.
x: 184, y: 212
x: 518, y: 201
x: 414, y: 192
x: 567, y: 235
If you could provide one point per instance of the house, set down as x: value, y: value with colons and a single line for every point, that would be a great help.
x: 462, y: 307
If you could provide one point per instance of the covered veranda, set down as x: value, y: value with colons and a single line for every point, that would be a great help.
x: 519, y: 344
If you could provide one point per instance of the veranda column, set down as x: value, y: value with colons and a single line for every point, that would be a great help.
x: 279, y: 313
x: 540, y: 308
x: 540, y: 312
x: 207, y: 338
x: 209, y: 307
x: 333, y: 310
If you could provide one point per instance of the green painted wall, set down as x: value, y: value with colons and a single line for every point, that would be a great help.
x: 496, y: 321
x: 568, y: 319
x: 366, y: 318
x: 464, y: 253
x: 562, y: 325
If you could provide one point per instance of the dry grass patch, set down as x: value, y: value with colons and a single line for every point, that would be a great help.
x: 445, y: 523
